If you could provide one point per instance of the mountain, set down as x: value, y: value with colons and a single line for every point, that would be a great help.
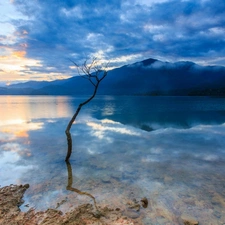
x: 148, y: 77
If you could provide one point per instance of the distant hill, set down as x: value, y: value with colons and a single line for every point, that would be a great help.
x: 148, y: 77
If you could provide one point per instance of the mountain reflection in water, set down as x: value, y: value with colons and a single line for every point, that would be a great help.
x: 178, y: 164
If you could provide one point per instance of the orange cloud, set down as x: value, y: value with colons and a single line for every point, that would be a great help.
x: 19, y: 54
x: 3, y: 57
x: 22, y: 134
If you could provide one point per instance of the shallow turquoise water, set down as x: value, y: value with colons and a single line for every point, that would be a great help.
x: 178, y: 165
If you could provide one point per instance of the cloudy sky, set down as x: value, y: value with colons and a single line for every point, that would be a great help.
x: 38, y: 37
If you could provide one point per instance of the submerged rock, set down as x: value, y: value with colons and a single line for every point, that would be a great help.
x: 132, y: 214
x: 188, y: 220
x: 144, y: 202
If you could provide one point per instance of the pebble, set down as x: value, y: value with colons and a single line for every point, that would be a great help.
x: 188, y: 220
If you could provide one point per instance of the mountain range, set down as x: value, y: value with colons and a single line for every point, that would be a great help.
x: 148, y: 77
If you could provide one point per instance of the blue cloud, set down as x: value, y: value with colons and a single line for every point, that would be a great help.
x: 172, y: 30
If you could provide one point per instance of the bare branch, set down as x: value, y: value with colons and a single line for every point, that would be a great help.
x: 95, y: 75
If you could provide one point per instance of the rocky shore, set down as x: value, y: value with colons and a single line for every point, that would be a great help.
x: 10, y: 213
x: 11, y: 198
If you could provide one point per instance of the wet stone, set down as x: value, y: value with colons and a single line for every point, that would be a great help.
x: 105, y: 179
x: 135, y: 207
x: 97, y: 214
x: 144, y: 202
x: 217, y: 214
x: 132, y: 214
x: 188, y: 220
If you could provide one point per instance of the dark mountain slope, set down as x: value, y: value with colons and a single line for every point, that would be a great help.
x: 150, y: 76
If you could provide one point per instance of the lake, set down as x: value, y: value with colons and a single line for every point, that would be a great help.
x: 170, y: 150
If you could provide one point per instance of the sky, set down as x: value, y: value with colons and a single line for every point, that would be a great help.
x: 39, y: 38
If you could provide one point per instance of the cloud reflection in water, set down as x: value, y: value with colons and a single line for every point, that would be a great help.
x: 171, y: 166
x: 102, y: 128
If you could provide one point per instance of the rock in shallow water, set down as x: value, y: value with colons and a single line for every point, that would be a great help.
x: 144, y: 202
x: 188, y: 220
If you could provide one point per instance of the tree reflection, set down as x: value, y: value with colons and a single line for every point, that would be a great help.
x: 70, y: 183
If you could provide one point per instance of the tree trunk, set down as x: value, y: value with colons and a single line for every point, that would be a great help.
x: 68, y: 134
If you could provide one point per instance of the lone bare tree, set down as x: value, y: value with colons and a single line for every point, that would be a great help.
x: 94, y: 74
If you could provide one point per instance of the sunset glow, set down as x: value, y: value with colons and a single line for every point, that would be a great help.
x: 37, y: 40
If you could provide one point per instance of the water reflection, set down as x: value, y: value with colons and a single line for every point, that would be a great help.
x: 160, y: 112
x: 18, y: 128
x: 70, y: 184
x: 179, y: 170
x: 24, y: 108
x: 102, y: 128
x: 10, y: 171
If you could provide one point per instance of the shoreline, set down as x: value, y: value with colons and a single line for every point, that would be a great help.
x: 11, y: 198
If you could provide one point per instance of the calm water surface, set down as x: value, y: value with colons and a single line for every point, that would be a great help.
x: 168, y: 149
